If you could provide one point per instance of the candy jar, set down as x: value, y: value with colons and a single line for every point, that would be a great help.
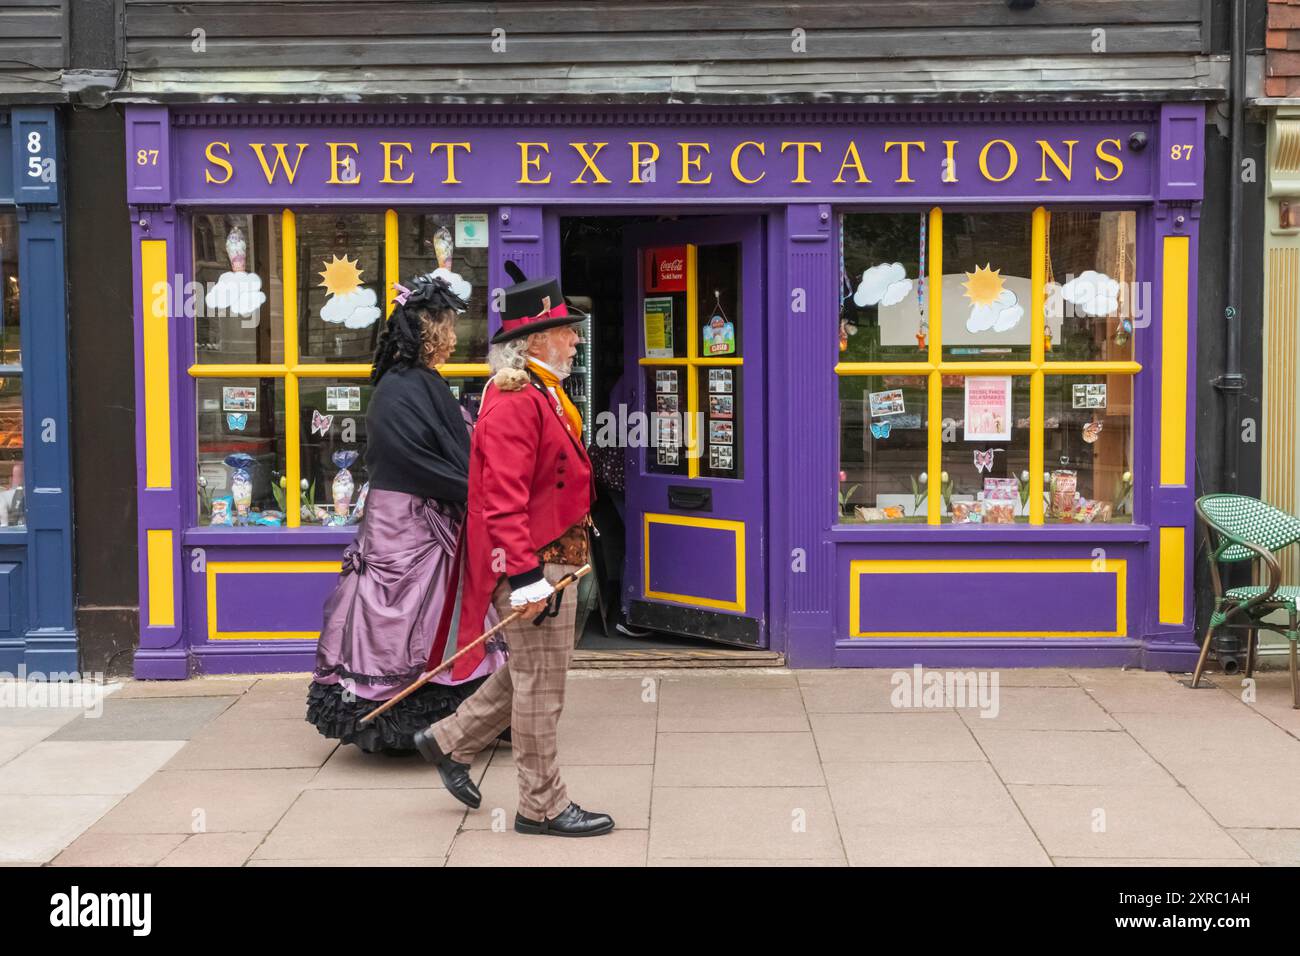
x: 343, y: 484
x: 241, y: 483
x: 237, y: 249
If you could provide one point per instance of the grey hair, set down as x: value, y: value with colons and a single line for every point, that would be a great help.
x: 512, y: 354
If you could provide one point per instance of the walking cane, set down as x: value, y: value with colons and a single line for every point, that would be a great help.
x: 424, y: 678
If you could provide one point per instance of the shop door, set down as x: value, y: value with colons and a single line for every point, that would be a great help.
x: 695, y: 487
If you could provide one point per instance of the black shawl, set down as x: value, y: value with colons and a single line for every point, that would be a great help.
x: 418, y: 438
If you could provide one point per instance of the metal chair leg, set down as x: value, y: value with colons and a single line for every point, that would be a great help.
x: 1295, y: 672
x: 1252, y: 644
x: 1200, y: 661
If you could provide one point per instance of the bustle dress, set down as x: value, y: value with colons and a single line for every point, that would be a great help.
x: 399, y: 587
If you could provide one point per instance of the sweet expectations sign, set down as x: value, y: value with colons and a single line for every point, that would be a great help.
x: 689, y: 164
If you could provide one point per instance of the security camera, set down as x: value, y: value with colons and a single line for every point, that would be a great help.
x: 1137, y: 142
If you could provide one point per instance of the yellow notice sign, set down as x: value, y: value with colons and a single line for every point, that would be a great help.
x: 658, y: 313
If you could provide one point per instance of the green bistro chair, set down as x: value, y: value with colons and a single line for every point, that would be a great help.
x: 1239, y: 528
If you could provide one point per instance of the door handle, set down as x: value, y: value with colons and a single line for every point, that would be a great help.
x: 685, y: 498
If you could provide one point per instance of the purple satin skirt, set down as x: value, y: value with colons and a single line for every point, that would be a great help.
x: 397, y: 576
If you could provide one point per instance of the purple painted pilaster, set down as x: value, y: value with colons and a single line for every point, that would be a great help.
x: 518, y: 237
x: 1172, y: 505
x: 805, y: 481
x: 162, y: 652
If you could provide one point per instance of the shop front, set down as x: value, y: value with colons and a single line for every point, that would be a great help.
x: 891, y: 385
x: 37, y: 630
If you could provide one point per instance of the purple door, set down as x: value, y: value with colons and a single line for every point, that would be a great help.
x: 695, y: 485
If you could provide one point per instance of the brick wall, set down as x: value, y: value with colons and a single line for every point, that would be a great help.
x: 1283, y: 41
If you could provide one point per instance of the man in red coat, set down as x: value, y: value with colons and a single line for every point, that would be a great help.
x: 530, y: 492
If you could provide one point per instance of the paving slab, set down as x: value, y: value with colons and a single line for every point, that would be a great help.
x: 1123, y: 822
x: 233, y: 742
x: 194, y: 687
x: 622, y: 792
x: 737, y: 760
x: 1102, y: 861
x: 86, y: 766
x: 1074, y: 757
x: 211, y: 801
x: 51, y: 717
x: 15, y: 740
x: 369, y: 863
x: 687, y: 706
x: 377, y: 824
x: 665, y: 861
x: 146, y: 719
x: 849, y: 691
x: 1275, y: 847
x: 1041, y: 708
x: 593, y: 696
x: 214, y: 849
x: 938, y: 735
x: 118, y: 849
x: 609, y: 740
x: 36, y: 828
x: 891, y: 845
x: 508, y: 848
x: 1150, y: 692
x: 920, y: 795
x: 747, y: 823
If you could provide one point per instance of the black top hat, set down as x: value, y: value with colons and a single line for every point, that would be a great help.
x: 533, y: 305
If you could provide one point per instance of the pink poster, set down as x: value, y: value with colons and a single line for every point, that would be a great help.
x: 988, y: 408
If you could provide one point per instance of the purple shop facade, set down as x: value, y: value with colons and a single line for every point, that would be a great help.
x: 822, y: 592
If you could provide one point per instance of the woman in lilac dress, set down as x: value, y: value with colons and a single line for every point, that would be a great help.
x: 399, y: 587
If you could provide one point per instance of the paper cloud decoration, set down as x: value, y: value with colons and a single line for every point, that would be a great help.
x: 459, y: 285
x: 883, y: 284
x: 240, y: 292
x: 1093, y: 293
x: 352, y: 310
x: 1000, y: 315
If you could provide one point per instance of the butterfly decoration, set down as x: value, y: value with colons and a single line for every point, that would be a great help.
x: 237, y: 421
x: 880, y: 429
x: 1092, y: 431
x: 321, y: 423
x: 1122, y: 331
x: 984, y: 459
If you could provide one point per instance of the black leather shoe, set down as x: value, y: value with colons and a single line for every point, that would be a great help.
x: 573, y: 821
x: 454, y: 774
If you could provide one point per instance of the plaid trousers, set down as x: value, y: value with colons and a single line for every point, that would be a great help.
x: 527, y: 695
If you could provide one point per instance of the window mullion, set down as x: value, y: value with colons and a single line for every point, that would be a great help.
x: 1036, y: 425
x: 289, y: 286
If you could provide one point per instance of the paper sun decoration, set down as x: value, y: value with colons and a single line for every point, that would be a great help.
x: 350, y: 304
x: 238, y: 291
x: 883, y: 284
x: 993, y: 305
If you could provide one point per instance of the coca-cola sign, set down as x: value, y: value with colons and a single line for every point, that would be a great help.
x: 666, y: 269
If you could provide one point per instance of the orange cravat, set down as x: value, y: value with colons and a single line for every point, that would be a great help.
x: 552, y: 382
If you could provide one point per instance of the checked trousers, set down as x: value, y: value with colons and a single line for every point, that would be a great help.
x: 527, y: 695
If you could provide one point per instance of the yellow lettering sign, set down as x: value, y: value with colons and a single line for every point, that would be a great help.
x: 851, y: 158
x: 904, y: 176
x: 589, y: 162
x: 690, y: 162
x: 270, y: 171
x: 800, y: 151
x: 1111, y: 158
x: 527, y: 160
x: 1013, y: 160
x: 735, y: 162
x: 392, y: 163
x: 216, y: 160
x: 1047, y: 153
x: 638, y: 162
x: 347, y: 163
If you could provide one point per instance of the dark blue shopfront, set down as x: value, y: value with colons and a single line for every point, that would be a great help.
x: 37, y: 626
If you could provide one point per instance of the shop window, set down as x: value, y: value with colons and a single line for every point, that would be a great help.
x: 12, y: 494
x: 883, y: 456
x: 1013, y: 403
x: 237, y: 298
x: 284, y: 349
x: 241, y: 461
x: 427, y: 244
x: 341, y: 290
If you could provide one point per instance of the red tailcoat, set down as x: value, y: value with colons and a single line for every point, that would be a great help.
x: 529, y: 482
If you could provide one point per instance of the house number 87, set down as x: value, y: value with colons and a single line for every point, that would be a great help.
x: 1180, y: 152
x: 146, y: 157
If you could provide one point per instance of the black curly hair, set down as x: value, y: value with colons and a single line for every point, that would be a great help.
x: 404, y: 341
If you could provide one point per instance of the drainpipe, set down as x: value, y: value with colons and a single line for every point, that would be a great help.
x: 1232, y: 381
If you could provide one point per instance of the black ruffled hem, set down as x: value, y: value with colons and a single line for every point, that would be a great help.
x: 393, y: 731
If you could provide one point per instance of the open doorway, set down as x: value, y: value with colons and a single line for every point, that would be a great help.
x: 593, y: 274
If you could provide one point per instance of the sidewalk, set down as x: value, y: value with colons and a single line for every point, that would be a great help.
x: 697, y: 767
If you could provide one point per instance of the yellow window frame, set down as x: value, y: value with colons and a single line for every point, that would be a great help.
x: 291, y: 369
x: 1036, y: 368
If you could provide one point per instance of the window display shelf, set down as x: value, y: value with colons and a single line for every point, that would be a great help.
x: 921, y: 533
